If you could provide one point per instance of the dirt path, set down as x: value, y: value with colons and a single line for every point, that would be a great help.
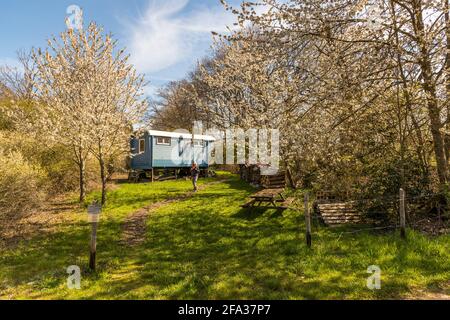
x: 427, y: 295
x: 440, y: 293
x: 135, y: 225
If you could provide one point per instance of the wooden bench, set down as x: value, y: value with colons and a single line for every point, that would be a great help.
x: 248, y: 204
x: 269, y: 199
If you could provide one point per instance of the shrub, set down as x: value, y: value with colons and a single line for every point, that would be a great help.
x: 22, y: 185
x: 55, y: 160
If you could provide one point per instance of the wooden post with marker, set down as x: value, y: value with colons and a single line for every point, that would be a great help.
x: 307, y: 221
x: 93, y: 247
x: 93, y: 217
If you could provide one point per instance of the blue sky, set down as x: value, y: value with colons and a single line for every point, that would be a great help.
x: 164, y: 37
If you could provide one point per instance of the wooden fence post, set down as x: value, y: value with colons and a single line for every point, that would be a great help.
x: 307, y: 221
x: 402, y: 214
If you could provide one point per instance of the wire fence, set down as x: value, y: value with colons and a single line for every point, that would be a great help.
x: 423, y: 211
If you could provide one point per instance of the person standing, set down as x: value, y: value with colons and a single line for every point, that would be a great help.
x: 194, y: 174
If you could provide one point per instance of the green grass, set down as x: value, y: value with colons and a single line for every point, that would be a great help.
x: 207, y: 247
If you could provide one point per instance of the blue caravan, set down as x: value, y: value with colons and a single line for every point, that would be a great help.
x: 156, y: 151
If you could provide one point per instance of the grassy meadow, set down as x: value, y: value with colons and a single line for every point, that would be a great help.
x: 207, y: 247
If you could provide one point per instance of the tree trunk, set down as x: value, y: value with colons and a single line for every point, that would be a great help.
x: 447, y: 77
x: 430, y: 91
x: 82, y: 171
x: 103, y: 177
x: 420, y: 145
x: 438, y: 140
x: 435, y: 121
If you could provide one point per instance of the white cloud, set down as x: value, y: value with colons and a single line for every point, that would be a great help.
x: 166, y: 35
x: 151, y: 90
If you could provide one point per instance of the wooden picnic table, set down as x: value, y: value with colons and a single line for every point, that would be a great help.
x: 268, y: 198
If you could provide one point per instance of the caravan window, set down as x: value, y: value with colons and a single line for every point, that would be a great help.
x: 141, y: 145
x: 163, y: 141
x: 198, y: 143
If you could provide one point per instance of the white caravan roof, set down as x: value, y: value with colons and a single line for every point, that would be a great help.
x: 157, y: 133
